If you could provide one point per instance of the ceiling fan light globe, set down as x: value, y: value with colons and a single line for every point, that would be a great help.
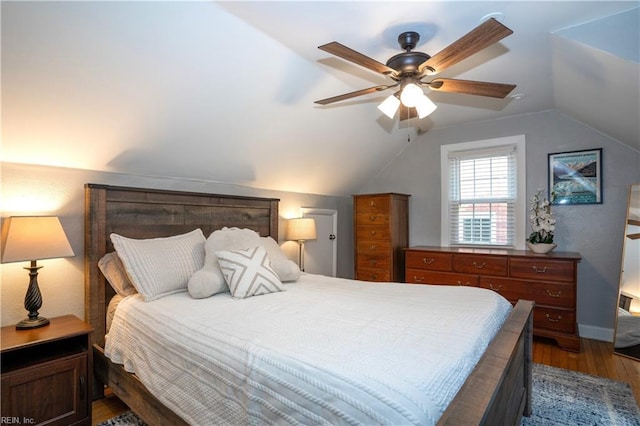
x: 425, y: 107
x: 389, y: 106
x: 411, y: 95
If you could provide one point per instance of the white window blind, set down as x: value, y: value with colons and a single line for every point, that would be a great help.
x: 483, y: 196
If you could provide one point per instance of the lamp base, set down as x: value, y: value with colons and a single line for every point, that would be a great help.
x: 29, y: 323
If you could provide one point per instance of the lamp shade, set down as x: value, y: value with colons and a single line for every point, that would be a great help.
x: 425, y: 107
x: 301, y: 229
x: 33, y: 238
x: 389, y: 106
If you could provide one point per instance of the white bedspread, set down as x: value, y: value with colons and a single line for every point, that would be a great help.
x: 325, y: 351
x: 628, y: 329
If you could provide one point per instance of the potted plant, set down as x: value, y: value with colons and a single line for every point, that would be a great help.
x: 542, y: 224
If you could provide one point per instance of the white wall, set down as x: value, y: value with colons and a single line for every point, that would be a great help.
x: 595, y: 231
x: 36, y: 190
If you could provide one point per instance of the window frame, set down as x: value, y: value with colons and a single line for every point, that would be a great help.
x: 520, y: 221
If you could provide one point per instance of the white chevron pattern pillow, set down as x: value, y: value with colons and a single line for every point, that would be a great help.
x: 248, y: 272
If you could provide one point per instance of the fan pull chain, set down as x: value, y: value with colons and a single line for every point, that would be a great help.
x: 408, y: 126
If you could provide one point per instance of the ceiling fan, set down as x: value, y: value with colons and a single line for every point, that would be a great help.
x: 409, y: 69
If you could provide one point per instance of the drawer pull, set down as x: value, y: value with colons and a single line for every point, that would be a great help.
x: 479, y: 265
x: 554, y: 319
x: 372, y: 203
x: 495, y: 288
x: 418, y: 280
x: 374, y: 276
x: 372, y: 218
x: 552, y: 294
x: 373, y: 232
x: 427, y: 261
x: 539, y: 270
x: 373, y: 262
x: 372, y: 247
x: 460, y: 283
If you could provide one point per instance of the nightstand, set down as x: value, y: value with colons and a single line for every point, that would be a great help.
x: 46, y: 373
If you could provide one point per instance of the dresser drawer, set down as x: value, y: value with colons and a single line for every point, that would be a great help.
x: 477, y: 264
x: 373, y: 274
x: 420, y: 276
x: 553, y: 294
x: 512, y: 290
x: 544, y: 293
x: 542, y: 269
x: 379, y: 261
x: 373, y: 232
x: 417, y: 259
x: 373, y: 203
x: 554, y: 319
x: 374, y: 247
x: 371, y: 218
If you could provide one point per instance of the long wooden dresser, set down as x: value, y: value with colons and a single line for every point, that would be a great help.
x: 381, y: 232
x: 548, y: 279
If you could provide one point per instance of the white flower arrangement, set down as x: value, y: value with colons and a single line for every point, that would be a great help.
x: 542, y: 222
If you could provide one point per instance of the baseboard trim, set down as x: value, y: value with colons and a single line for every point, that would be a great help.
x: 596, y: 333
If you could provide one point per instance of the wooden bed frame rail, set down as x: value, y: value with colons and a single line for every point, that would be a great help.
x: 498, y: 391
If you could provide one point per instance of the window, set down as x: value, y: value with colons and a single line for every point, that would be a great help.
x: 476, y: 229
x: 483, y: 193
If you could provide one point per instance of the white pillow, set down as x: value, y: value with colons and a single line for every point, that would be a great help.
x: 286, y: 269
x: 248, y: 272
x: 113, y: 270
x: 209, y: 280
x: 111, y: 309
x: 161, y: 266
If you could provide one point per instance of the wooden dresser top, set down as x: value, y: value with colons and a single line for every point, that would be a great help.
x: 565, y: 255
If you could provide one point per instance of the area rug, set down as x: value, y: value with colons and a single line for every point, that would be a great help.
x: 125, y: 419
x: 560, y: 397
x: 564, y: 397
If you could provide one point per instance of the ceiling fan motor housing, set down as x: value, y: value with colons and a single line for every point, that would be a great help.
x: 407, y: 62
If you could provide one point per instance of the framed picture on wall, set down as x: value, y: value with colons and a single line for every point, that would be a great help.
x: 576, y: 177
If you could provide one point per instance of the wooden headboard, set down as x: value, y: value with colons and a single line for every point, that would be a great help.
x: 150, y: 213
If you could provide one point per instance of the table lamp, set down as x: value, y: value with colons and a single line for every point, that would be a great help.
x: 32, y: 238
x: 301, y: 229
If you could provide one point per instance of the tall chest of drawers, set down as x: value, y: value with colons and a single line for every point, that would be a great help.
x: 550, y: 280
x: 381, y: 232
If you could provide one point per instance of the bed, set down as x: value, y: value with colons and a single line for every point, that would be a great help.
x: 497, y: 390
x: 627, y: 341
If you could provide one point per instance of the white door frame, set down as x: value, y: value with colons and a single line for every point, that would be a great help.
x: 334, y: 214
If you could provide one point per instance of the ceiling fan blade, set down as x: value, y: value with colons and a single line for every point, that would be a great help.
x: 352, y: 94
x: 478, y: 88
x: 484, y: 35
x: 358, y: 58
x: 407, y: 112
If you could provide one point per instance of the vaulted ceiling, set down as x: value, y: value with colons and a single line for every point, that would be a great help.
x: 225, y: 91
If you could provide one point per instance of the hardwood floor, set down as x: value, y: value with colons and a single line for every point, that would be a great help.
x: 106, y: 408
x: 595, y: 358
